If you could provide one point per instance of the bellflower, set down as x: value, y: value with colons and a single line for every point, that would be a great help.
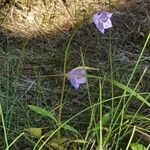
x: 77, y: 76
x: 102, y: 21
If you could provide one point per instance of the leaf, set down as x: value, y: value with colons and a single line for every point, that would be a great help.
x: 36, y: 132
x: 132, y: 92
x: 79, y: 141
x: 70, y: 128
x: 43, y: 112
x: 106, y: 118
x: 137, y: 146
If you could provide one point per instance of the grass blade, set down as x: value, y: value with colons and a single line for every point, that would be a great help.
x: 4, y: 128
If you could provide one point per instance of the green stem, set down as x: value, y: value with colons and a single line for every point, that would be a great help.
x: 63, y: 86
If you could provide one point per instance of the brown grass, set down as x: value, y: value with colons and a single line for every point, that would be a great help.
x: 29, y: 18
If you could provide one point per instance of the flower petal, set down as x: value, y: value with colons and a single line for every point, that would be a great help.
x: 95, y: 19
x: 100, y: 27
x: 109, y: 15
x: 81, y: 80
x: 107, y: 24
x: 102, y: 20
x: 103, y: 17
x: 77, y: 72
x: 77, y: 76
x: 74, y: 83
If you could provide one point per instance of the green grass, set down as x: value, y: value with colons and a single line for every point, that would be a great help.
x: 106, y: 113
x: 111, y: 122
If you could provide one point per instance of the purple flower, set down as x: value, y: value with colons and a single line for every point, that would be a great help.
x: 77, y: 76
x: 102, y: 21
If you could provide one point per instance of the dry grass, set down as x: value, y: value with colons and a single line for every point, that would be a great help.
x: 31, y: 18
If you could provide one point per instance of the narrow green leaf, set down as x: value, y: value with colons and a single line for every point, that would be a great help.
x: 106, y: 118
x: 70, y: 128
x: 127, y: 89
x: 3, y: 125
x: 43, y: 112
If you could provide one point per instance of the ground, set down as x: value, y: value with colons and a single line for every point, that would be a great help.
x: 32, y: 51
